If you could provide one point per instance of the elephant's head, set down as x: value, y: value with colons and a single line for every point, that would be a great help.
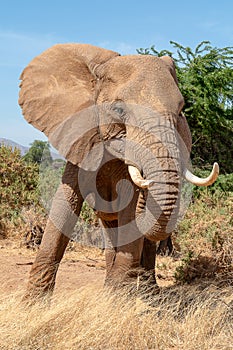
x: 88, y: 100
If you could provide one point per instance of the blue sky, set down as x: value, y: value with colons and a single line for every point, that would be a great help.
x: 29, y: 27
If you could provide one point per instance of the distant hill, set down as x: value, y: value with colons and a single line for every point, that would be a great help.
x: 6, y: 142
x: 23, y: 149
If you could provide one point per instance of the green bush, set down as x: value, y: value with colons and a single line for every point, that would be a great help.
x: 205, y: 77
x: 223, y: 186
x: 39, y: 153
x: 18, y: 186
x: 48, y: 182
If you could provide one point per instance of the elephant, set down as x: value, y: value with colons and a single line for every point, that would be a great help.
x: 118, y: 122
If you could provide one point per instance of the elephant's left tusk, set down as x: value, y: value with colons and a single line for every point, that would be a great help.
x: 195, y: 180
x: 138, y: 179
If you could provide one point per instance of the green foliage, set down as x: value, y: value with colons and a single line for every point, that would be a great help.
x: 48, y: 182
x: 153, y: 51
x: 39, y: 153
x: 50, y: 178
x: 18, y: 183
x: 87, y: 214
x: 223, y: 186
x: 24, y: 185
x: 205, y: 78
x: 181, y: 273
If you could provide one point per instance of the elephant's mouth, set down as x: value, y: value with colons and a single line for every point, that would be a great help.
x: 188, y: 175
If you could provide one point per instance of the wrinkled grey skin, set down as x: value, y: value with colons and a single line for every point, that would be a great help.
x: 104, y: 112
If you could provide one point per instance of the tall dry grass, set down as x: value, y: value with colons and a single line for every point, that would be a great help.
x: 197, y: 318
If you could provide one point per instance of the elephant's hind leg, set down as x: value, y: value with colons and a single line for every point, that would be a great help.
x: 148, y: 260
x: 64, y: 213
x: 147, y: 280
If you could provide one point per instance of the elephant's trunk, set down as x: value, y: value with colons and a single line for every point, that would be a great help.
x: 162, y: 199
x: 155, y: 152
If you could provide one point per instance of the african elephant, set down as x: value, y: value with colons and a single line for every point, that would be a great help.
x: 118, y: 121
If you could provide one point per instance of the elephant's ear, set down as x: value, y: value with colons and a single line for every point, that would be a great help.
x: 57, y: 92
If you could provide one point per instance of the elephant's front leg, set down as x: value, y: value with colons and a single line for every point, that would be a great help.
x: 122, y: 260
x: 43, y: 272
x: 137, y: 253
x: 124, y: 242
x: 127, y: 263
x: 65, y: 209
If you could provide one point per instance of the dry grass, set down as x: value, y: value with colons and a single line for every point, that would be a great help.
x: 178, y: 318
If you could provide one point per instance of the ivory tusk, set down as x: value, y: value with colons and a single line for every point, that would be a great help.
x: 138, y: 179
x: 195, y: 180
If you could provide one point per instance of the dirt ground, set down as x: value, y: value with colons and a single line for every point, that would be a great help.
x: 77, y: 269
x: 80, y: 266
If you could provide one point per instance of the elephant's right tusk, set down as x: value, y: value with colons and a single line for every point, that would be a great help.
x: 195, y: 180
x: 138, y: 179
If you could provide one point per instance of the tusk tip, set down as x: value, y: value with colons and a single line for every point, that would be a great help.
x: 203, y: 181
x: 216, y: 168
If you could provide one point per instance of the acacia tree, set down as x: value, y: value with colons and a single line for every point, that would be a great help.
x: 39, y: 152
x: 205, y: 78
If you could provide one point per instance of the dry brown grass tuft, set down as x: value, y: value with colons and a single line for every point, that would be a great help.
x: 178, y: 318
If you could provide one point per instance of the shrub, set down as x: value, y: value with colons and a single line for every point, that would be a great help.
x: 18, y: 185
x: 205, y: 78
x: 205, y: 236
x: 27, y: 191
x: 222, y: 186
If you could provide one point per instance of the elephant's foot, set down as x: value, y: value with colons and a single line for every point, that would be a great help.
x: 147, y: 286
x: 123, y: 265
x: 122, y: 280
x: 41, y: 281
x: 122, y: 287
x: 119, y: 281
x: 135, y: 281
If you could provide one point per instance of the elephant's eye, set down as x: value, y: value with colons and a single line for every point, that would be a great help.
x: 119, y: 110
